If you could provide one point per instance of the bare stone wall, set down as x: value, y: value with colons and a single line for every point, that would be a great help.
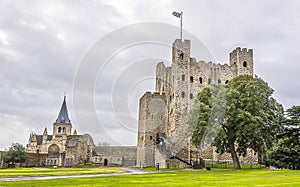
x: 115, y: 155
x: 151, y: 120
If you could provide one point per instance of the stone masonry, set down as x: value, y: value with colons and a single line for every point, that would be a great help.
x: 162, y: 130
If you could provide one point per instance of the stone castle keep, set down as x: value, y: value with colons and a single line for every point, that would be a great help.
x: 163, y: 126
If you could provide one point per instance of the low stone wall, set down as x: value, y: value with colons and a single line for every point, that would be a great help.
x: 115, y: 155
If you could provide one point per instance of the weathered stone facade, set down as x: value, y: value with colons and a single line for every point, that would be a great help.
x: 163, y: 126
x: 66, y: 149
x: 61, y: 148
x: 115, y: 156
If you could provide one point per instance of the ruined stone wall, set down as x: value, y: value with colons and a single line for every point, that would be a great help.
x: 115, y: 155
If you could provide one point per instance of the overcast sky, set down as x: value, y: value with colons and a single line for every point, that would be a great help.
x: 43, y: 45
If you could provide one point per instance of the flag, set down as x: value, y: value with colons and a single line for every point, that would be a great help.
x: 177, y: 14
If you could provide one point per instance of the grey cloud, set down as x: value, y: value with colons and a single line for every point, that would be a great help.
x: 46, y: 40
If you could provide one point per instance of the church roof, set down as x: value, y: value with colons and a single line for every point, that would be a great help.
x: 63, y: 116
x: 39, y: 139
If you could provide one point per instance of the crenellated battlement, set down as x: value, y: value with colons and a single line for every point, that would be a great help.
x: 165, y: 111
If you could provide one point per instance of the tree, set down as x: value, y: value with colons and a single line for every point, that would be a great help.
x: 286, y: 153
x: 241, y: 116
x: 15, y: 154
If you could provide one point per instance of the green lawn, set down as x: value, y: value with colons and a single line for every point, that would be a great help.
x: 217, y: 177
x: 52, y: 172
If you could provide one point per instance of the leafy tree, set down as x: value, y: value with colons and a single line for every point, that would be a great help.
x: 286, y: 153
x: 240, y: 116
x: 15, y: 154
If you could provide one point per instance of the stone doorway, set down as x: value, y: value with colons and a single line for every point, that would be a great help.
x: 105, y: 162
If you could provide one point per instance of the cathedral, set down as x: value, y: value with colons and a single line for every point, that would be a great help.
x: 67, y: 149
x: 163, y: 115
x: 62, y: 148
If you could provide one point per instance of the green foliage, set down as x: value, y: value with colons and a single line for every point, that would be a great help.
x: 286, y: 154
x: 239, y: 116
x: 15, y: 154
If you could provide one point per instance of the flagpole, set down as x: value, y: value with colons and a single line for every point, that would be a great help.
x: 181, y: 15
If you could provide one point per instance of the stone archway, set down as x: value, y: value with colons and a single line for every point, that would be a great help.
x: 53, y: 155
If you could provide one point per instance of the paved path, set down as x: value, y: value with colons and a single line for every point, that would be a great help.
x: 130, y: 172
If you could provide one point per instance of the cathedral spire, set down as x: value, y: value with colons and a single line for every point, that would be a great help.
x: 63, y: 116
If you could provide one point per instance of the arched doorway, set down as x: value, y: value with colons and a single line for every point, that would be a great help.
x: 105, y: 162
x: 53, y: 155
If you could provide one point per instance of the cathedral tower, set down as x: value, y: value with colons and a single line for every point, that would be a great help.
x: 62, y: 126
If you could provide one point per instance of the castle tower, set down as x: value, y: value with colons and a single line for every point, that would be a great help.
x: 241, y: 61
x: 62, y: 126
x: 151, y: 117
x: 181, y: 52
x: 178, y: 86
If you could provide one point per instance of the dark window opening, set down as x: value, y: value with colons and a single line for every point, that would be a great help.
x: 244, y: 64
x: 150, y: 137
x: 182, y: 77
x: 209, y: 81
x: 182, y: 94
x: 64, y: 130
x: 219, y: 81
x: 191, y: 96
x: 226, y: 82
x: 191, y: 79
x: 142, y: 138
x: 59, y: 129
x: 201, y: 80
x: 181, y: 56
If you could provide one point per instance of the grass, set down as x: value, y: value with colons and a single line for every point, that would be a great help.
x: 215, y: 177
x: 162, y: 169
x: 230, y: 166
x: 53, y: 172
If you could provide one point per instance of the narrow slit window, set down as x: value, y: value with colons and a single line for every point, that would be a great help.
x: 191, y: 79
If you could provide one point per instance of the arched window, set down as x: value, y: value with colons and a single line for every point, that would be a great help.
x: 209, y: 81
x: 182, y: 77
x: 219, y: 81
x: 64, y: 129
x: 150, y: 137
x: 244, y: 64
x: 191, y: 96
x: 59, y: 130
x: 181, y: 56
x: 182, y: 94
x: 191, y: 79
x: 201, y: 80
